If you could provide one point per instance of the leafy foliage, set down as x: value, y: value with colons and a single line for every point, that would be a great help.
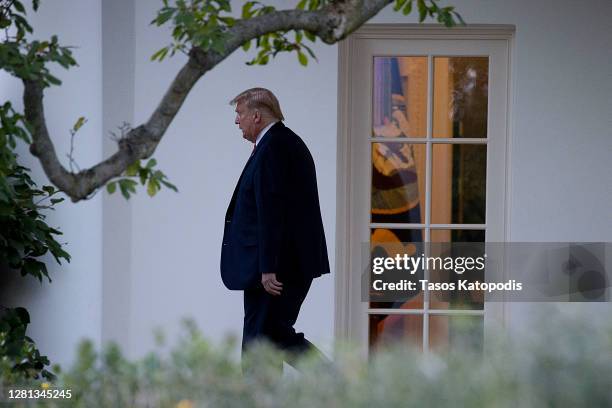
x: 199, y: 23
x: 13, y: 128
x: 24, y: 234
x: 28, y: 60
x: 20, y: 360
x: 565, y: 363
x: 444, y: 15
x: 196, y: 23
x: 147, y: 175
x: 270, y: 45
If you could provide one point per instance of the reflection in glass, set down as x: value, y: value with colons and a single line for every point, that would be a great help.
x: 389, y: 329
x: 460, y: 97
x: 457, y: 299
x: 397, y: 241
x: 457, y: 235
x: 400, y: 97
x: 456, y: 333
x: 398, y: 180
x: 458, y: 191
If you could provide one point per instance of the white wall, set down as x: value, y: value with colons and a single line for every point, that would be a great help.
x: 118, y: 44
x: 68, y: 309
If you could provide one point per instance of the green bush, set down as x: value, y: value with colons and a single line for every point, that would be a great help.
x: 564, y: 364
x: 19, y: 358
x: 25, y: 238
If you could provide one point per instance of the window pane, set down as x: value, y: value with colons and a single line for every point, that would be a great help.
x: 460, y: 96
x: 387, y: 330
x: 398, y: 182
x: 457, y: 235
x: 389, y: 243
x: 458, y: 192
x: 456, y: 333
x: 459, y: 298
x: 400, y: 97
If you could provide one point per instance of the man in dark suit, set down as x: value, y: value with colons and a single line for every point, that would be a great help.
x: 273, y: 242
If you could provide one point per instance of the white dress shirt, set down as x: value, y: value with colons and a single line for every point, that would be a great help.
x: 263, y: 132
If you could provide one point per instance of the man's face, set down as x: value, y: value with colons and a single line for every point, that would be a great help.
x: 248, y: 121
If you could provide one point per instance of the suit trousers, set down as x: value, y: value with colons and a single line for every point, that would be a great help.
x: 271, y: 317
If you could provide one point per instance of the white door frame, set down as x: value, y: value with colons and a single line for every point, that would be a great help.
x: 345, y: 230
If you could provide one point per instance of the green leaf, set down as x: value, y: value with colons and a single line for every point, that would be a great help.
x: 163, y: 16
x: 446, y: 19
x: 49, y: 189
x: 169, y: 185
x: 246, y: 45
x: 132, y: 169
x: 302, y: 58
x: 142, y: 175
x: 422, y: 10
x: 224, y: 5
x: 433, y: 9
x: 313, y: 5
x: 18, y: 6
x: 310, y: 52
x: 35, y: 268
x: 157, y: 175
x: 398, y: 5
x: 301, y: 5
x: 124, y: 191
x: 151, y: 163
x: 23, y: 315
x: 160, y: 54
x: 152, y: 188
x: 246, y: 9
x: 53, y: 80
x: 459, y: 18
x: 408, y: 8
x: 79, y: 123
x: 229, y: 21
x: 310, y: 36
x: 218, y: 45
x: 129, y: 184
x: 111, y: 187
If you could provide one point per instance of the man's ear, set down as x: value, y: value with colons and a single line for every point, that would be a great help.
x: 258, y: 116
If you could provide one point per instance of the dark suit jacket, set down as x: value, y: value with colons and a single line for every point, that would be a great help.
x: 273, y: 222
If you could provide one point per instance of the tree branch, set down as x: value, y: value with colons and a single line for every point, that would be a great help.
x: 331, y: 24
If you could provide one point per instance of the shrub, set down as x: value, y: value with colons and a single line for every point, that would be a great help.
x: 19, y: 358
x: 567, y: 363
x: 25, y: 238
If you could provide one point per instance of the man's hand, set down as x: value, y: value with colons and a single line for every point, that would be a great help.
x: 270, y: 284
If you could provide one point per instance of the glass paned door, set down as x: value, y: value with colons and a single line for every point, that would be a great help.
x: 427, y: 143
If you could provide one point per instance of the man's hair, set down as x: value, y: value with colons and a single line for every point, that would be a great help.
x: 261, y: 99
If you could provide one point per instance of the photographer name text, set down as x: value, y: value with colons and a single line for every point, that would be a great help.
x: 458, y: 265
